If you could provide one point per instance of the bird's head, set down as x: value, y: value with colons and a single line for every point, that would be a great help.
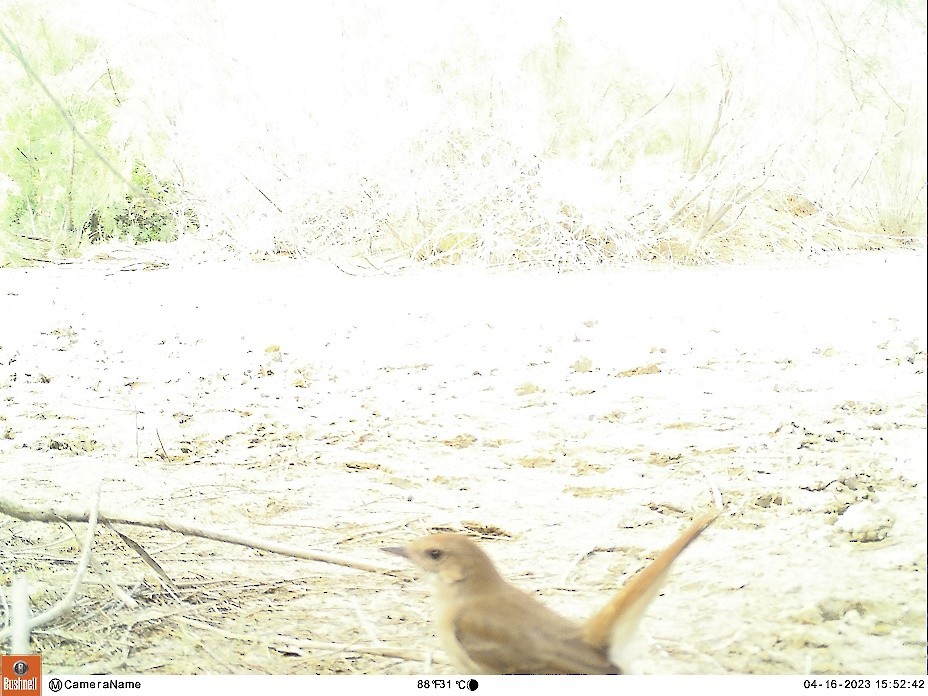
x: 449, y: 559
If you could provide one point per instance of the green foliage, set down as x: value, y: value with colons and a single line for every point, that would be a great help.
x: 560, y: 70
x: 145, y: 216
x: 65, y: 182
x: 596, y: 106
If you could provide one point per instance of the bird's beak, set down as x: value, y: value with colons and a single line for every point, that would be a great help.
x: 397, y: 550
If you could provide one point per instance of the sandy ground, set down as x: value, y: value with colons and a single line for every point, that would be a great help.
x: 575, y: 423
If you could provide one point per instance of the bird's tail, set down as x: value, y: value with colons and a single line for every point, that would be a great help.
x: 614, y: 625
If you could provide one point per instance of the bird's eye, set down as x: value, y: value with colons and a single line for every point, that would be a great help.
x: 435, y: 554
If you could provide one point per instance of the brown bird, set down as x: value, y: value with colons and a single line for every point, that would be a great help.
x: 488, y: 626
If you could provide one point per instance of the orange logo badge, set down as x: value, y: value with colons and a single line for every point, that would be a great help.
x: 20, y: 675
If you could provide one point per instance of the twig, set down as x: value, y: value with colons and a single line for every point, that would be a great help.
x: 716, y: 494
x: 146, y: 557
x: 68, y: 600
x: 120, y: 593
x: 161, y: 444
x: 19, y: 623
x: 575, y: 562
x: 56, y: 514
x: 364, y: 622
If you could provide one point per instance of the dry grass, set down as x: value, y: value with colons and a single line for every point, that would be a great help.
x: 391, y: 135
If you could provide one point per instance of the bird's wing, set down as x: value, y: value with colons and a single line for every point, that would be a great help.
x: 521, y: 636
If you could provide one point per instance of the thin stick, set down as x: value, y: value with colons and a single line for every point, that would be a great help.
x: 68, y: 600
x: 107, y: 577
x: 55, y: 514
x: 365, y: 622
x: 19, y: 623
